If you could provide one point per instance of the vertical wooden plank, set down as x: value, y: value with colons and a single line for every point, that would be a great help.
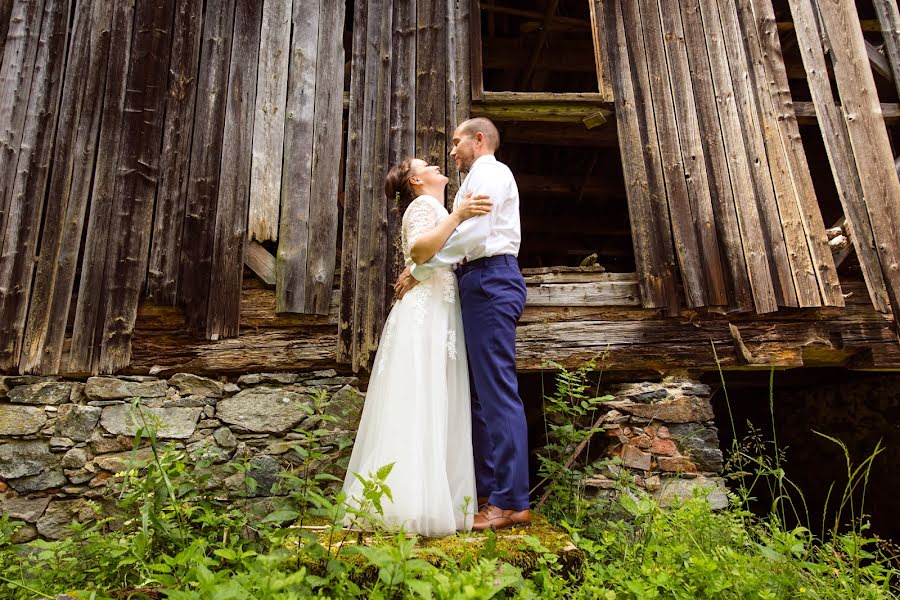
x: 889, y: 17
x: 70, y: 183
x: 785, y: 123
x: 175, y: 159
x: 403, y: 120
x: 206, y: 155
x: 756, y: 251
x: 16, y: 72
x: 293, y: 234
x: 868, y: 137
x: 693, y: 155
x: 739, y: 21
x: 136, y: 183
x: 91, y: 295
x: 687, y: 247
x: 764, y: 175
x: 476, y: 62
x: 268, y: 124
x: 653, y: 252
x: 353, y: 172
x: 5, y: 15
x: 224, y: 310
x: 375, y: 309
x: 711, y: 178
x: 431, y: 66
x: 326, y: 160
x: 601, y: 56
x: 27, y: 195
x: 451, y: 94
x: 837, y: 146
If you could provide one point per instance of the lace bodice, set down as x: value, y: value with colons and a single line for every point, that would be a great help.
x: 421, y: 216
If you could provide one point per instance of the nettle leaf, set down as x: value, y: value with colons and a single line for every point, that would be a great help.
x: 384, y: 471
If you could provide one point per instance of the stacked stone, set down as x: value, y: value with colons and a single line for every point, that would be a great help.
x: 664, y: 433
x: 62, y: 441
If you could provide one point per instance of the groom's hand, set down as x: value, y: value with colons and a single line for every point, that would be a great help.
x: 404, y: 283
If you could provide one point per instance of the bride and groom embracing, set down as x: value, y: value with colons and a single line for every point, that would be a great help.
x: 443, y: 404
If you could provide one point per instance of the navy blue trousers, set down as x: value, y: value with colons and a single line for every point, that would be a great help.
x: 492, y: 292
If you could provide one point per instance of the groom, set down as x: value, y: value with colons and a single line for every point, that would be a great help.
x: 492, y: 293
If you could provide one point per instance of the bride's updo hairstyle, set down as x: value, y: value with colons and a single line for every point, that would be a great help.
x: 396, y: 184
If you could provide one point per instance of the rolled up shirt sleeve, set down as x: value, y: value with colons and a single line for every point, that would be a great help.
x: 470, y: 238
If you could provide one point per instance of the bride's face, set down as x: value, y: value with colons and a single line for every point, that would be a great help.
x: 426, y: 176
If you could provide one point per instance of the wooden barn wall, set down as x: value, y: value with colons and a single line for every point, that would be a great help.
x: 731, y: 215
x: 129, y: 156
x: 409, y: 88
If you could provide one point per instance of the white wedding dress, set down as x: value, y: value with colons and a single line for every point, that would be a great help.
x: 417, y: 410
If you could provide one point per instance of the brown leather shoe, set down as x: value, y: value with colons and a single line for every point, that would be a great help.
x: 494, y: 517
x: 482, y: 501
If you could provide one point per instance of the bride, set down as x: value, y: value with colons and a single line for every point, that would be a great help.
x: 417, y: 409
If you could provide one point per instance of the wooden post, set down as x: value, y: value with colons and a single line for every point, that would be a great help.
x: 30, y: 184
x: 326, y: 159
x: 293, y: 232
x: 91, y: 293
x: 889, y: 17
x: 268, y: 124
x: 223, y: 310
x: 206, y: 155
x: 868, y: 138
x: 175, y: 158
x: 601, y: 56
x: 70, y: 184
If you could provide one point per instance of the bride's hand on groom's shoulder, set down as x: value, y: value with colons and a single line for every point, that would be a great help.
x: 473, y: 205
x: 404, y: 283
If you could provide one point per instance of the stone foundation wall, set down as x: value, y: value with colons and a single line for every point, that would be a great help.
x: 63, y: 441
x: 664, y: 432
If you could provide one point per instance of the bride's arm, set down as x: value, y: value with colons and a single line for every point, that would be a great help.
x: 427, y: 245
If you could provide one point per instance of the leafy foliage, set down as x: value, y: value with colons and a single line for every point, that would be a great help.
x: 173, y: 535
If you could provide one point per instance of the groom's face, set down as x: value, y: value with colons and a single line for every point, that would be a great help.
x: 463, y: 152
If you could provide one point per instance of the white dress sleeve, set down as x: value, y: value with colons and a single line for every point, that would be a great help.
x: 420, y: 218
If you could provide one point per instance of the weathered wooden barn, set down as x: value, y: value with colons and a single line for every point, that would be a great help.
x: 190, y: 185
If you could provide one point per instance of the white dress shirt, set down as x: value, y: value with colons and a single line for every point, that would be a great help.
x: 498, y: 232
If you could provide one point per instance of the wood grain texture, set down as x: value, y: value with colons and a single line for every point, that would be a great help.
x: 206, y: 154
x: 175, y: 158
x: 352, y: 174
x: 91, y: 295
x: 260, y: 262
x: 785, y: 123
x: 5, y: 14
x: 889, y: 17
x: 296, y: 183
x: 223, y: 310
x: 782, y: 234
x: 868, y: 137
x: 654, y: 255
x: 431, y: 94
x: 19, y: 54
x: 681, y: 211
x: 693, y: 156
x: 87, y: 71
x: 769, y: 99
x: 654, y: 252
x: 403, y: 121
x: 18, y: 251
x: 629, y: 338
x: 326, y: 160
x: 756, y: 251
x: 268, y: 124
x: 837, y: 146
x: 601, y: 55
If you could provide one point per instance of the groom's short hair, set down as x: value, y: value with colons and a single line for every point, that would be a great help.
x: 486, y: 127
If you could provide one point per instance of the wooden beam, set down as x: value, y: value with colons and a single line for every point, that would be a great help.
x: 559, y: 23
x: 889, y: 18
x: 541, y: 107
x: 628, y: 337
x: 878, y: 61
x: 260, y: 262
x: 549, y: 12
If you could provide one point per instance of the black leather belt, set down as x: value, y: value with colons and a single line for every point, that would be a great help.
x: 480, y: 263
